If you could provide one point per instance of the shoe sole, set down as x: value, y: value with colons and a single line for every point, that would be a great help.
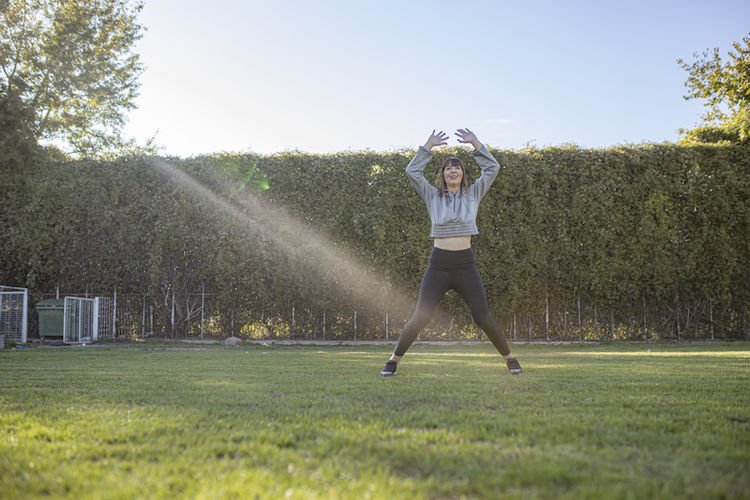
x: 516, y: 372
x: 387, y: 374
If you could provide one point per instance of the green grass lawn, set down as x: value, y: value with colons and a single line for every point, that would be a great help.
x: 584, y: 421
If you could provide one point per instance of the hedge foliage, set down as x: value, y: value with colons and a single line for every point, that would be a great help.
x: 637, y: 241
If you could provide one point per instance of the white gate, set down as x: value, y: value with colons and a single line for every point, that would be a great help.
x: 14, y: 303
x: 79, y: 320
x: 104, y: 318
x: 88, y: 320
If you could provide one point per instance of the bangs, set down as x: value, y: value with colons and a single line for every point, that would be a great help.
x: 453, y: 162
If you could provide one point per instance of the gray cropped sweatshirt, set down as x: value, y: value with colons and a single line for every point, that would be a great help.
x: 454, y: 214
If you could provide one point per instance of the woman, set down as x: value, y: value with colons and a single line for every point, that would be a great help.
x: 452, y: 205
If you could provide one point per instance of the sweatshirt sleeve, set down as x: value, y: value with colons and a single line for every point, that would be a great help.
x: 415, y: 173
x: 490, y: 168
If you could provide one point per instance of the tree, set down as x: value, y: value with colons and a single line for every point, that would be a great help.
x: 71, y: 63
x: 726, y: 88
x: 16, y: 137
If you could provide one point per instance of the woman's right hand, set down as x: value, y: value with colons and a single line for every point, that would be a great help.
x: 439, y: 139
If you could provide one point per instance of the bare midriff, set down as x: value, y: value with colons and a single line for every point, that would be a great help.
x: 453, y: 243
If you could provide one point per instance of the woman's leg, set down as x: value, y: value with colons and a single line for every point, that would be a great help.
x: 469, y: 285
x: 434, y: 285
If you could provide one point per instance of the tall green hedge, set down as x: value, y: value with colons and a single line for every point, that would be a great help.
x: 641, y: 241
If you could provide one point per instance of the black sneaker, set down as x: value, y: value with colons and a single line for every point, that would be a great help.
x: 389, y: 369
x: 514, y: 367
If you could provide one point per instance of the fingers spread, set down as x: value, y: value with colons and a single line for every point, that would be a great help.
x: 464, y: 136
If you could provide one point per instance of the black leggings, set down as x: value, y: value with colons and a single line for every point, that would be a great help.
x: 455, y: 270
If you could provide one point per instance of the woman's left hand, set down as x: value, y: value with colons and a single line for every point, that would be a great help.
x: 466, y: 136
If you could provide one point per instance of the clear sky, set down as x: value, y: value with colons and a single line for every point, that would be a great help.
x: 337, y: 75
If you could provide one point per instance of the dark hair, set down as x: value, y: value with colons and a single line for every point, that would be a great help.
x: 440, y: 179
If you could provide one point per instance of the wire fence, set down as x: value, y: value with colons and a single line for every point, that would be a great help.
x: 13, y: 313
x: 199, y: 316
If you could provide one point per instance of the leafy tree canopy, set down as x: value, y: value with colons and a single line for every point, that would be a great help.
x: 71, y: 64
x: 725, y: 86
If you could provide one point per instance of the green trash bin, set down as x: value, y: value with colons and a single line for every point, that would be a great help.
x: 51, y: 318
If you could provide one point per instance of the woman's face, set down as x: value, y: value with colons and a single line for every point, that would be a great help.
x: 453, y: 173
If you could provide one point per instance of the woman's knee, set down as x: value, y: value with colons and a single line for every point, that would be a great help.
x: 485, y: 321
x: 418, y: 321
